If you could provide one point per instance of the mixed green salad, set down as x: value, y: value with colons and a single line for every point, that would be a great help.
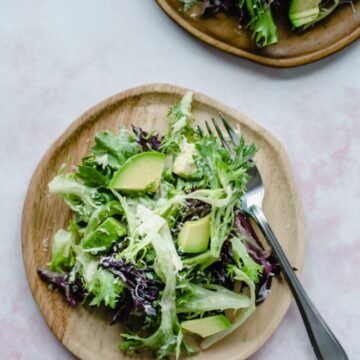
x: 158, y: 237
x: 257, y: 15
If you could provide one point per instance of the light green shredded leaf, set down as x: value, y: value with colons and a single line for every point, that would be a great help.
x: 100, y: 283
x: 62, y: 256
x: 241, y: 315
x: 252, y: 269
x: 198, y: 299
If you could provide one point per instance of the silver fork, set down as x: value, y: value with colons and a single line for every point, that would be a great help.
x: 324, y: 343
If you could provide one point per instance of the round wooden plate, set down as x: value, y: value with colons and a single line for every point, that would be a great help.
x: 86, y: 332
x: 221, y: 31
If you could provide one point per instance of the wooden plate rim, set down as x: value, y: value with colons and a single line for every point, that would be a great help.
x: 281, y: 63
x: 91, y: 115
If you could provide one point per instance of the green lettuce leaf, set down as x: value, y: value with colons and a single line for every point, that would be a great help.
x: 80, y: 198
x: 240, y: 316
x: 62, y: 255
x: 92, y: 176
x: 113, y: 150
x: 100, y: 283
x: 198, y: 299
x: 261, y: 23
x: 179, y: 124
x: 168, y: 337
x: 252, y: 269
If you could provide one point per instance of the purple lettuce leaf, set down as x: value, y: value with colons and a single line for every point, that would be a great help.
x: 147, y: 141
x: 194, y: 209
x: 142, y: 288
x: 231, y: 7
x: 219, y: 270
x: 73, y: 292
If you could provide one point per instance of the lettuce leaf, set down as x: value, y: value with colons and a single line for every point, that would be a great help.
x: 113, y: 150
x: 62, y: 255
x: 199, y: 299
x: 241, y: 315
x: 100, y: 283
x: 179, y: 124
x: 168, y: 337
x: 80, y: 198
x: 261, y: 23
x: 252, y: 269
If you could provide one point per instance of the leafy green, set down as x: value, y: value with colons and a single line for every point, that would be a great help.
x: 203, y: 260
x: 188, y: 4
x: 129, y: 211
x: 179, y: 124
x: 80, y: 198
x: 92, y: 176
x: 241, y: 315
x: 100, y: 283
x: 199, y: 299
x: 102, y: 238
x: 105, y: 288
x: 261, y: 23
x: 168, y: 337
x: 226, y: 175
x: 62, y: 256
x: 252, y: 269
x: 113, y: 150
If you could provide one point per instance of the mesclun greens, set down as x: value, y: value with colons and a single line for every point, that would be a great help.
x: 257, y: 15
x: 133, y: 249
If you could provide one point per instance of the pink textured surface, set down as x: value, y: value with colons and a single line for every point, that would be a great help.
x: 59, y: 58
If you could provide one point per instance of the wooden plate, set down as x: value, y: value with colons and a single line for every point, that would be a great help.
x: 86, y: 332
x: 338, y: 30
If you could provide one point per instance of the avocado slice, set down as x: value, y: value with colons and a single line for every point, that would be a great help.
x: 194, y: 236
x: 104, y: 235
x: 206, y: 326
x: 141, y: 172
x: 303, y: 12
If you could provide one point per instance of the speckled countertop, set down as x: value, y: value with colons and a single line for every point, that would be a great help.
x: 59, y: 58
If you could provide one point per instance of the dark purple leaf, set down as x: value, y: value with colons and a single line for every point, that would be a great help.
x: 123, y: 309
x: 209, y: 7
x: 72, y: 292
x: 231, y: 7
x: 194, y: 209
x: 243, y: 225
x: 218, y: 270
x: 144, y: 290
x: 147, y: 141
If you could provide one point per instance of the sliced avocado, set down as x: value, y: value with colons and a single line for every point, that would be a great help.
x: 141, y: 172
x: 104, y: 235
x: 206, y: 326
x: 303, y: 12
x: 194, y: 235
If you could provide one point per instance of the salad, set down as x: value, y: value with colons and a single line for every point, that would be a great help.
x: 257, y: 15
x: 157, y: 236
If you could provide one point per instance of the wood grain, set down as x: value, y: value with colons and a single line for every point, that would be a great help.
x: 86, y: 332
x: 293, y: 49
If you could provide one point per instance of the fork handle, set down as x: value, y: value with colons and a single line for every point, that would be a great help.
x: 325, y: 344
